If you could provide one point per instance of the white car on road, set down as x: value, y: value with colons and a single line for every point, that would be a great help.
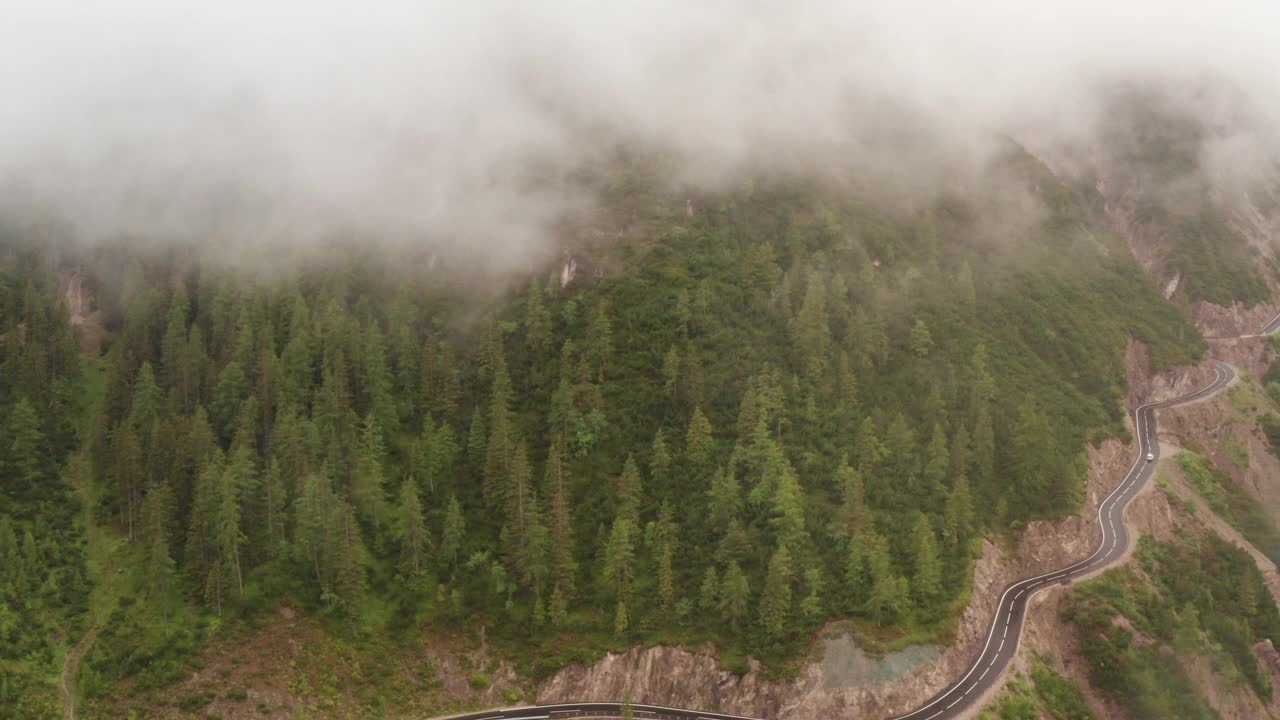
x: 1151, y: 456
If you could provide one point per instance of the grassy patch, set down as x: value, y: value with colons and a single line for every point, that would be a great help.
x: 1238, y: 508
x: 1194, y: 597
x: 1045, y: 694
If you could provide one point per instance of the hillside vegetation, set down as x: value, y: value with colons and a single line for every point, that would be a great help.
x: 791, y: 406
x: 1191, y: 597
x: 43, y: 583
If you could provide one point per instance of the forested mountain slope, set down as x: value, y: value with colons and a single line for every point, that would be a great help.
x: 789, y: 404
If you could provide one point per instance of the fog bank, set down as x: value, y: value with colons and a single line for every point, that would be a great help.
x: 461, y: 124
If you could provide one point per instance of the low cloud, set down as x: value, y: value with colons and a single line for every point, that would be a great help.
x: 462, y: 124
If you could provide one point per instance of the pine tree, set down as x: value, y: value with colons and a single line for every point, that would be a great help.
x: 811, y: 607
x: 204, y: 507
x: 476, y: 440
x: 599, y: 346
x: 176, y: 363
x: 699, y: 444
x: 368, y: 491
x: 750, y: 414
x: 559, y: 608
x: 901, y: 458
x: 144, y: 412
x: 26, y: 462
x: 982, y: 387
x: 939, y: 459
x: 536, y: 553
x: 563, y: 565
x: 1031, y: 458
x: 735, y: 596
x: 958, y: 515
x: 297, y: 368
x: 245, y: 434
x: 158, y: 516
x: 335, y: 418
x: 889, y: 595
x: 671, y: 371
x: 230, y: 392
x: 537, y: 321
x: 959, y: 463
x: 735, y: 545
x: 246, y: 338
x: 683, y: 313
x: 225, y: 572
x: 127, y: 468
x: 660, y: 464
x: 274, y: 501
x: 709, y: 591
x: 868, y: 451
x: 627, y: 505
x: 921, y: 341
x: 621, y: 620
x: 375, y: 381
x: 775, y: 603
x: 664, y: 546
x: 453, y: 533
x: 411, y: 530
x: 787, y: 517
x: 312, y: 517
x: 517, y: 499
x: 500, y: 447
x: 348, y: 575
x: 847, y: 397
x: 811, y: 329
x: 405, y: 349
x: 562, y: 399
x: 725, y: 497
x: 619, y: 561
x: 982, y: 452
x: 853, y: 511
x: 926, y: 583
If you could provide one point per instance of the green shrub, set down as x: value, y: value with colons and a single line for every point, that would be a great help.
x: 196, y: 700
x: 478, y: 681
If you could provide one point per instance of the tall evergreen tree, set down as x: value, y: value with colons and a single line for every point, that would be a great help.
x: 775, y: 603
x: 664, y: 547
x: 735, y: 595
x: 563, y: 564
x: 411, y: 530
x: 627, y: 505
x: 453, y: 532
x: 660, y: 464
x: 699, y: 444
x: 501, y: 446
x: 926, y: 582
x: 811, y: 329
x: 619, y: 561
x: 26, y: 460
x: 709, y: 591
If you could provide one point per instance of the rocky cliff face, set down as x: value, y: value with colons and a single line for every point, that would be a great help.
x: 670, y: 676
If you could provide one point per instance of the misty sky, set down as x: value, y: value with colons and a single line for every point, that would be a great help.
x: 450, y: 121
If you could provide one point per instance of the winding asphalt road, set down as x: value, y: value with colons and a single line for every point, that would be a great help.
x: 594, y: 710
x: 1272, y: 326
x: 1006, y: 627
